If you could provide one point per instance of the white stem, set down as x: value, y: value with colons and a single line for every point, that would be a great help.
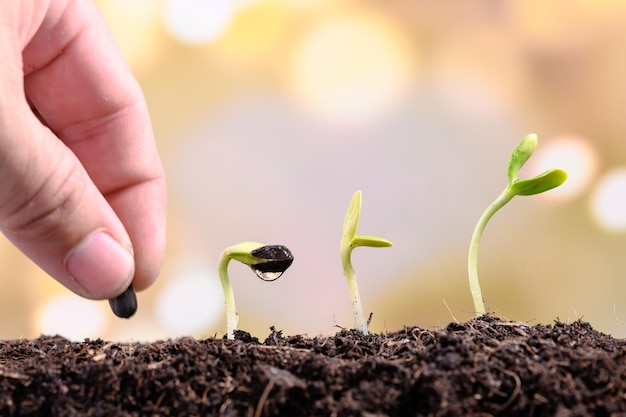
x: 472, y: 261
x: 229, y: 297
x: 357, y: 310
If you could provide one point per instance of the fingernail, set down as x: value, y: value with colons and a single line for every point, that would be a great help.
x: 124, y: 305
x: 100, y: 265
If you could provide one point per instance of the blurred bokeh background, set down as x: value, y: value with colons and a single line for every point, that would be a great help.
x: 269, y: 114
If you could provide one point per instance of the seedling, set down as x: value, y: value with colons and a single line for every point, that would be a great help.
x: 546, y: 181
x: 349, y: 241
x: 267, y: 262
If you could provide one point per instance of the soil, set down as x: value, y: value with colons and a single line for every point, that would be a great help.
x: 484, y: 367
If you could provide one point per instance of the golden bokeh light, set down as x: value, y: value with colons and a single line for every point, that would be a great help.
x: 254, y: 37
x: 137, y: 28
x: 191, y: 302
x: 70, y: 316
x: 351, y: 68
x: 608, y: 201
x: 196, y: 22
x: 576, y: 156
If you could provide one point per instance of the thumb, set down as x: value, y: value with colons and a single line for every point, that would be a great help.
x: 51, y: 210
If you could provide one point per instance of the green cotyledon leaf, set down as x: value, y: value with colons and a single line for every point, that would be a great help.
x: 541, y: 183
x: 351, y: 221
x: 520, y: 155
x: 371, y: 241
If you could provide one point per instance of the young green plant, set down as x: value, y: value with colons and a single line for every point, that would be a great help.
x: 349, y: 241
x: 267, y: 261
x: 546, y: 181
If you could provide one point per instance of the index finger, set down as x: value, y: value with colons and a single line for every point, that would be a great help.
x: 78, y: 81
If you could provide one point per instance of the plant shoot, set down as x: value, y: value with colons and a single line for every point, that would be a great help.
x: 546, y: 181
x: 267, y: 261
x: 349, y: 241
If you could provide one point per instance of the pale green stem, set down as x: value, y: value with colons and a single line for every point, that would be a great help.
x: 472, y: 262
x: 357, y: 309
x: 231, y: 310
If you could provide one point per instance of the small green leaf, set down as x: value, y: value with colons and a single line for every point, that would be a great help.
x: 520, y: 155
x: 351, y: 221
x: 541, y: 183
x: 371, y: 241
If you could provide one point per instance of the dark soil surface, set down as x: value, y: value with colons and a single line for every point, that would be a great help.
x: 483, y: 367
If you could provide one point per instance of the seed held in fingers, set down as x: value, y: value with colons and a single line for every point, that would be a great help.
x: 125, y: 304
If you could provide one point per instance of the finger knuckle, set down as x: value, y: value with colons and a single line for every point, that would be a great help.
x: 47, y: 210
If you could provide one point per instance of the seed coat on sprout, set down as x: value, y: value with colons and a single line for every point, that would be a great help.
x: 268, y: 263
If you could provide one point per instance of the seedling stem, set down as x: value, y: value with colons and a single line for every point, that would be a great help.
x: 536, y: 185
x: 349, y: 241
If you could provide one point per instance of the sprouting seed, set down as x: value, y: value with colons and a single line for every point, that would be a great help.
x: 267, y: 261
x: 349, y: 241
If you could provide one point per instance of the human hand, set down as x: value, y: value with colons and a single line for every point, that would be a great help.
x: 83, y: 191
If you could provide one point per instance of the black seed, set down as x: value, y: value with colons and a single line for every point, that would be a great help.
x: 125, y: 304
x: 278, y: 257
x: 272, y: 266
x: 273, y: 252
